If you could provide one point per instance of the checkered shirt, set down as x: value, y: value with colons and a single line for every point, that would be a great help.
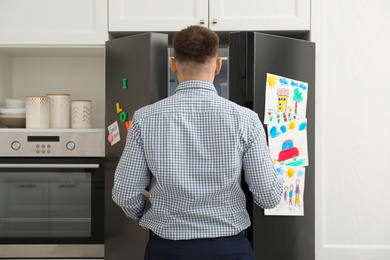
x: 191, y: 148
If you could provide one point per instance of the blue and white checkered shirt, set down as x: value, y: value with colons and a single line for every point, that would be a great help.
x: 192, y: 147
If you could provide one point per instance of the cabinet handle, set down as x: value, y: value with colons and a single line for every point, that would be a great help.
x: 215, y: 20
x: 201, y: 21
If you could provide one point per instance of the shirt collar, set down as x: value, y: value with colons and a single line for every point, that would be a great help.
x: 196, y: 84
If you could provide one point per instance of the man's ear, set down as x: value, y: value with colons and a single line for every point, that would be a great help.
x: 218, y: 65
x: 172, y: 62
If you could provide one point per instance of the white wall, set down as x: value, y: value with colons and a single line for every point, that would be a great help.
x: 81, y: 77
x: 5, y: 78
x: 352, y: 128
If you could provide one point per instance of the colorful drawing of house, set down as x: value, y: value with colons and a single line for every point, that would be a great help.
x: 282, y: 99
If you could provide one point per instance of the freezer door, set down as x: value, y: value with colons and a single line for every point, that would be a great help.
x: 136, y: 76
x: 251, y: 57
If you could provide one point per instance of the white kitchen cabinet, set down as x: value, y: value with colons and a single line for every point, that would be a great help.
x: 154, y: 15
x: 218, y: 15
x: 48, y: 22
x: 259, y: 15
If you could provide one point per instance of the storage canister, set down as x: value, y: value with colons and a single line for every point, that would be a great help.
x: 81, y: 114
x: 37, y: 112
x: 59, y: 110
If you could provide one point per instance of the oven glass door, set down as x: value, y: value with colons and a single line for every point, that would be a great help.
x: 51, y: 202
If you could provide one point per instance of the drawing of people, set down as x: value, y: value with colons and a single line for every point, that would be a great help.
x: 285, y: 195
x: 291, y: 195
x: 297, y: 192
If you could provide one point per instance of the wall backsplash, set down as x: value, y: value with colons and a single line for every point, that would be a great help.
x: 5, y: 77
x: 82, y: 78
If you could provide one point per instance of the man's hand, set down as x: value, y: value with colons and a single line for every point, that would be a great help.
x: 146, y: 194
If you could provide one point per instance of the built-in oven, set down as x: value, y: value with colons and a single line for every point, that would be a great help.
x: 52, y: 193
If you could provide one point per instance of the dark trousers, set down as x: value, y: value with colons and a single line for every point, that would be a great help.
x: 227, y: 248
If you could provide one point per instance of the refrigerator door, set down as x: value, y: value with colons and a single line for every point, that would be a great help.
x: 136, y: 76
x: 251, y: 57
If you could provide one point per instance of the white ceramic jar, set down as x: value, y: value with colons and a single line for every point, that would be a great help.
x: 37, y: 112
x: 81, y: 113
x: 59, y: 110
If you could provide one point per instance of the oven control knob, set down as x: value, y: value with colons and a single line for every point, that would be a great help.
x: 70, y: 145
x: 15, y: 145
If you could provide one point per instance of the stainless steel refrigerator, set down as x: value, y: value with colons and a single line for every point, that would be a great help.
x: 137, y: 75
x: 251, y: 57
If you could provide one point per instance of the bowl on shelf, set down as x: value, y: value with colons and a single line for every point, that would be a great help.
x: 12, y: 111
x: 13, y: 121
x: 15, y: 103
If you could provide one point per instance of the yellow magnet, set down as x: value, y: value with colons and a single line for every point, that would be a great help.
x: 118, y: 108
x: 271, y: 80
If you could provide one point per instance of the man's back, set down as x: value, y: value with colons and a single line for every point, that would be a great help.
x: 191, y: 148
x: 194, y: 142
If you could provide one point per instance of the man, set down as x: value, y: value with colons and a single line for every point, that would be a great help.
x: 191, y: 148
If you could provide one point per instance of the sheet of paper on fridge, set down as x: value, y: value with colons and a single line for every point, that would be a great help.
x: 291, y: 203
x: 285, y: 99
x: 288, y: 143
x: 113, y: 130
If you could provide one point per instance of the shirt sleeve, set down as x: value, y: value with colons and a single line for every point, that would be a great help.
x: 259, y: 170
x: 132, y: 175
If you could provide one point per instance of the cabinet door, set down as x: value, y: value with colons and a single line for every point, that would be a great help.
x: 53, y: 22
x: 156, y: 16
x: 259, y: 15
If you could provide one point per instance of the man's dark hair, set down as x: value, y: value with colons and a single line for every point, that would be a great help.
x: 196, y: 44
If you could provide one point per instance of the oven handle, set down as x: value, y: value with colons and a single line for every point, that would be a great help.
x: 49, y: 165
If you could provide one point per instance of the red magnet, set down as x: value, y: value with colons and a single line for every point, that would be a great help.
x: 110, y: 138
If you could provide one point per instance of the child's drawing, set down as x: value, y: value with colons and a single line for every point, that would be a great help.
x: 285, y: 99
x: 291, y: 203
x: 297, y: 192
x: 288, y: 143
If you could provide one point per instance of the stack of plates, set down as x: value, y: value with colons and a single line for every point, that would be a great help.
x: 14, y: 113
